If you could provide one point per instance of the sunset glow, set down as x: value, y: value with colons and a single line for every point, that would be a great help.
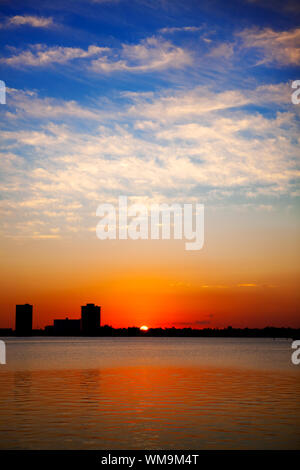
x: 186, y: 108
x: 144, y: 328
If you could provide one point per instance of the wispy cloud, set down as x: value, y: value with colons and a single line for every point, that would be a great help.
x: 201, y: 100
x: 27, y: 20
x: 189, y: 29
x: 247, y: 285
x: 28, y: 104
x: 179, y: 144
x: 278, y: 47
x: 40, y: 55
x: 223, y: 50
x: 149, y: 55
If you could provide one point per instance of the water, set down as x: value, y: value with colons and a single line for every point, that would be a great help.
x: 149, y: 393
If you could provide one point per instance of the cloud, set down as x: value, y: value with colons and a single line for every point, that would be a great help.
x: 29, y: 104
x: 202, y: 100
x: 247, y: 285
x: 279, y: 47
x: 224, y: 50
x: 149, y: 55
x: 290, y: 6
x: 27, y: 20
x: 181, y: 145
x: 40, y: 55
x: 189, y: 29
x: 191, y: 324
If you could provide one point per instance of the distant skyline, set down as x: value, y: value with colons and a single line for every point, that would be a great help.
x: 89, y: 325
x: 163, y: 101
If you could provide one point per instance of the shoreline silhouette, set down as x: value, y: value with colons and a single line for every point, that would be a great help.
x: 89, y: 325
x: 109, y: 331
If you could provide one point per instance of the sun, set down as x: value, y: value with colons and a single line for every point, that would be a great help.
x: 144, y: 328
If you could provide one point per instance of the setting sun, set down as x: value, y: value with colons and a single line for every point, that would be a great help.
x: 144, y: 328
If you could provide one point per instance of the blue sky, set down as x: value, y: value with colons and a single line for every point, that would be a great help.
x: 168, y: 100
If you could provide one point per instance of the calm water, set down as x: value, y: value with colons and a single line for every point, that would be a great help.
x: 149, y: 393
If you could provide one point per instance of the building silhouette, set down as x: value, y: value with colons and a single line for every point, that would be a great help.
x: 24, y: 320
x: 66, y: 327
x: 90, y: 319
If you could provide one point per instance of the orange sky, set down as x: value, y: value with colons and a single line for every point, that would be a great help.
x: 244, y: 276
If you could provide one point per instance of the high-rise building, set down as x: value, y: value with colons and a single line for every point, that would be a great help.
x: 90, y: 319
x: 24, y: 320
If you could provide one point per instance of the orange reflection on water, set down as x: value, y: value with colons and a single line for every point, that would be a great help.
x: 149, y: 408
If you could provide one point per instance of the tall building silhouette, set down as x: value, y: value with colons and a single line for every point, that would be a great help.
x: 24, y: 320
x: 90, y: 318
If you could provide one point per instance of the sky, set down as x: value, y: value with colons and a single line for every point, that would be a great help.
x: 164, y: 101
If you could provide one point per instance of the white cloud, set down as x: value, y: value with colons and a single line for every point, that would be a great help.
x: 40, y: 55
x: 34, y: 21
x: 149, y: 55
x: 202, y: 100
x: 27, y: 103
x: 198, y: 144
x: 224, y: 50
x: 279, y: 47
